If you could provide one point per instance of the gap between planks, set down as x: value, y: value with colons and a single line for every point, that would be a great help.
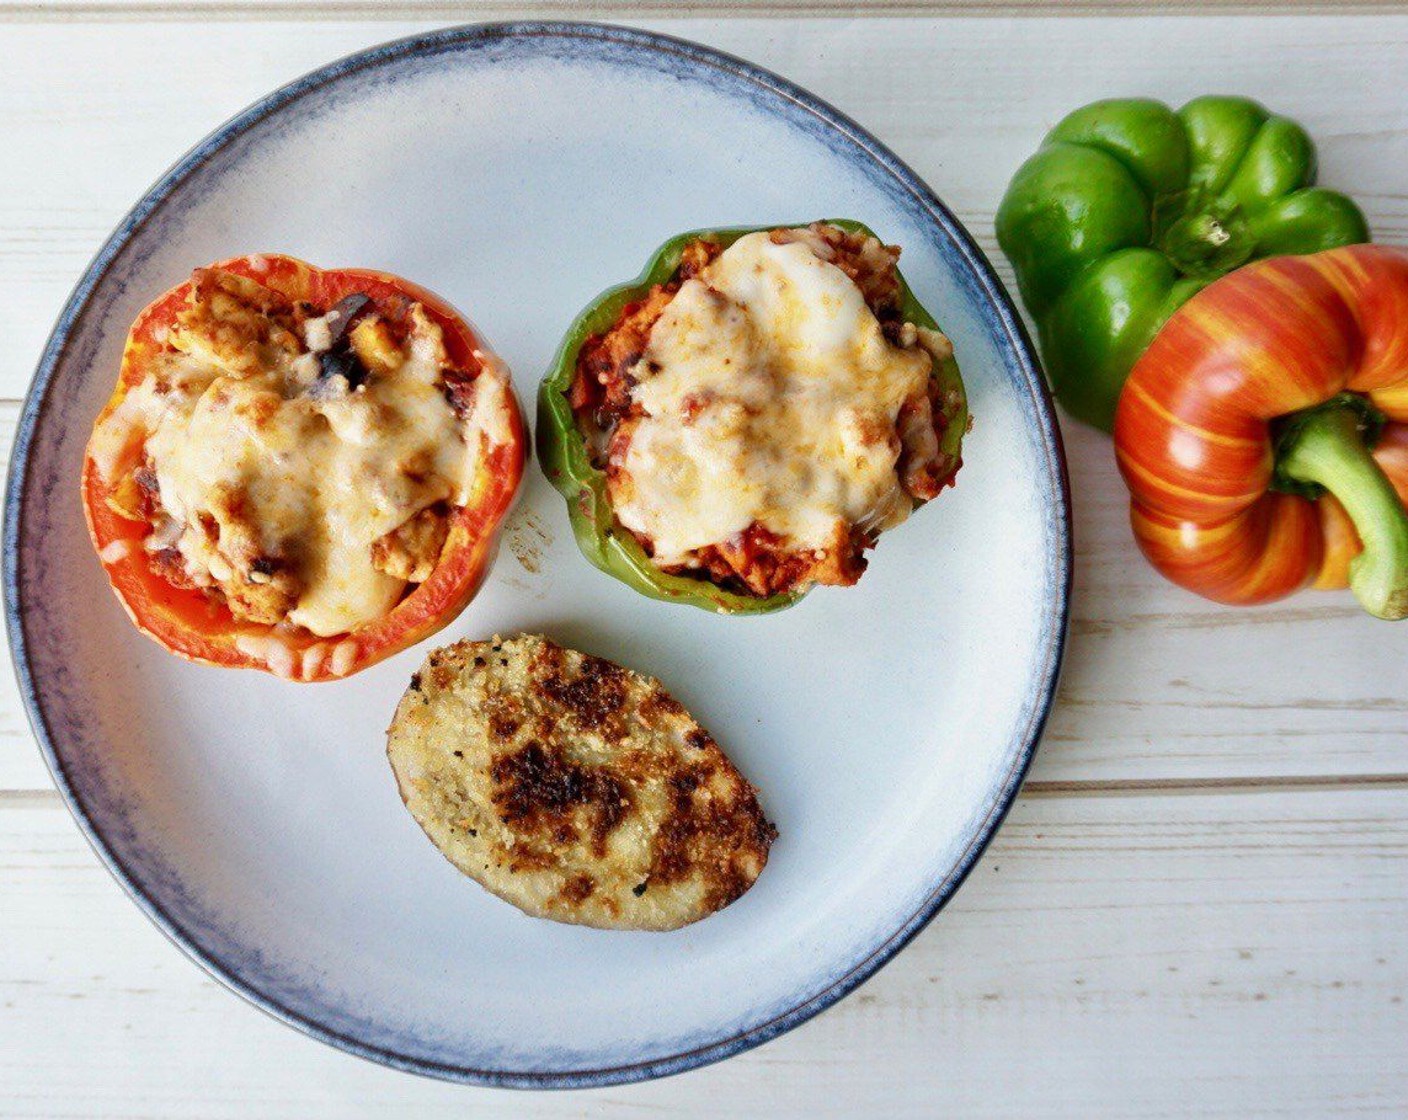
x: 45, y: 11
x: 1043, y: 790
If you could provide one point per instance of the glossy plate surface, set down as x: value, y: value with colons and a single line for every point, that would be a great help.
x: 517, y: 170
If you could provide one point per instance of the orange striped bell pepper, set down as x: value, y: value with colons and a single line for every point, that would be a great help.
x: 1264, y: 433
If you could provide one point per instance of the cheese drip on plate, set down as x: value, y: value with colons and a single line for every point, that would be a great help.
x: 769, y: 394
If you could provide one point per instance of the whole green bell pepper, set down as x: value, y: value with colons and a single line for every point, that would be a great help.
x: 1129, y: 208
x: 562, y: 448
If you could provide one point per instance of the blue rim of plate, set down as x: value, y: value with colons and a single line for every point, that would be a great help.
x: 1006, y: 321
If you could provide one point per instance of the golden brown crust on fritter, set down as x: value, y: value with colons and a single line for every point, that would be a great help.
x: 574, y: 788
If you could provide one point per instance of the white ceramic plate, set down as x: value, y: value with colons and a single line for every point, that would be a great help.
x: 517, y: 170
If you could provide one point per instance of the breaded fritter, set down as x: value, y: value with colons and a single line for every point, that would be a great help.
x: 573, y: 788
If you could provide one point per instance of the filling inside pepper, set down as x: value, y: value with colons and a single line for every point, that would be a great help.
x: 767, y: 413
x: 301, y: 465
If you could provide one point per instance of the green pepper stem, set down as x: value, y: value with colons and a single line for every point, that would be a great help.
x: 1203, y: 240
x: 1207, y: 230
x: 1325, y: 447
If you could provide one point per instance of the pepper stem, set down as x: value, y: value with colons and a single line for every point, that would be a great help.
x: 1325, y: 448
x: 1203, y: 239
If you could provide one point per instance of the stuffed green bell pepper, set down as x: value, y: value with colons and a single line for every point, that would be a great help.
x: 1129, y: 208
x: 741, y: 421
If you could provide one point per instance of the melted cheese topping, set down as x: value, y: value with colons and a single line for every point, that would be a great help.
x: 314, y: 477
x: 770, y: 395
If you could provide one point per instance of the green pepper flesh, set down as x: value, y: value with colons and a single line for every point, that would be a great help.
x: 1129, y: 208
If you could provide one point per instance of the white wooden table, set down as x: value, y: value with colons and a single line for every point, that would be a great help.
x: 1199, y: 906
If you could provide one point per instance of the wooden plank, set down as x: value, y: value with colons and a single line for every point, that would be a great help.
x: 1160, y: 682
x: 31, y: 10
x: 1159, y: 687
x: 1205, y: 955
x: 21, y: 767
x: 964, y: 100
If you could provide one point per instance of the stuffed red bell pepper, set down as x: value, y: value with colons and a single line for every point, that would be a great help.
x: 301, y: 470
